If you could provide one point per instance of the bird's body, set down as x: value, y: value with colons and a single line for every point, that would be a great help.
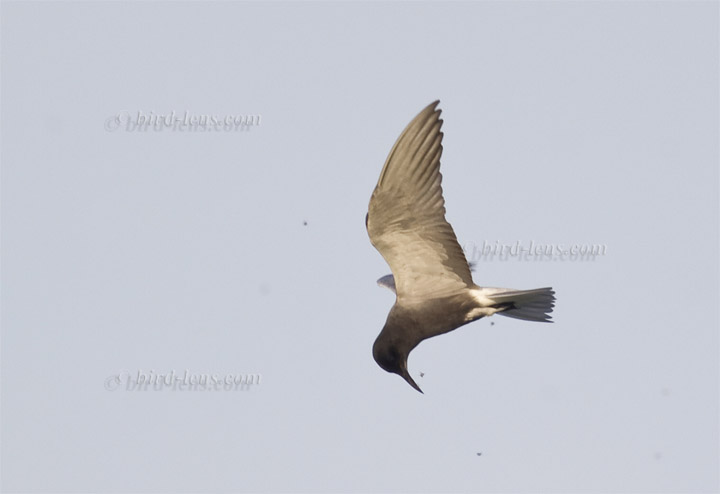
x: 431, y: 276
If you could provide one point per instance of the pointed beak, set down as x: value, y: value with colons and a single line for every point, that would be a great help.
x: 406, y: 375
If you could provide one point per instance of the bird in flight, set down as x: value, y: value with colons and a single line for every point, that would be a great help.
x: 431, y: 278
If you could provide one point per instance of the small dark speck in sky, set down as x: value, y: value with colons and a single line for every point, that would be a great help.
x: 422, y: 374
x: 304, y: 223
x: 479, y: 454
x: 492, y: 323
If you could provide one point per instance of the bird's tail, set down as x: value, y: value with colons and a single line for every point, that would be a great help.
x: 529, y: 305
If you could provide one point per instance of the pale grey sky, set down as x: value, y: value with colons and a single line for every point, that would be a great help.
x: 127, y: 251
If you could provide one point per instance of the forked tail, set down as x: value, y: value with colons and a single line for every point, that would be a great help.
x: 529, y: 305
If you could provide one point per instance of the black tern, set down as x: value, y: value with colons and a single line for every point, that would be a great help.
x: 431, y: 278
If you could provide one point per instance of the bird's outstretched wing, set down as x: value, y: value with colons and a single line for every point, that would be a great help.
x: 406, y: 218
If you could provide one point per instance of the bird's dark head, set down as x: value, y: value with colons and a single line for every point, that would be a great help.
x: 392, y: 359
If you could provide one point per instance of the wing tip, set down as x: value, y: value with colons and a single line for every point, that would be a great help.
x: 433, y: 108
